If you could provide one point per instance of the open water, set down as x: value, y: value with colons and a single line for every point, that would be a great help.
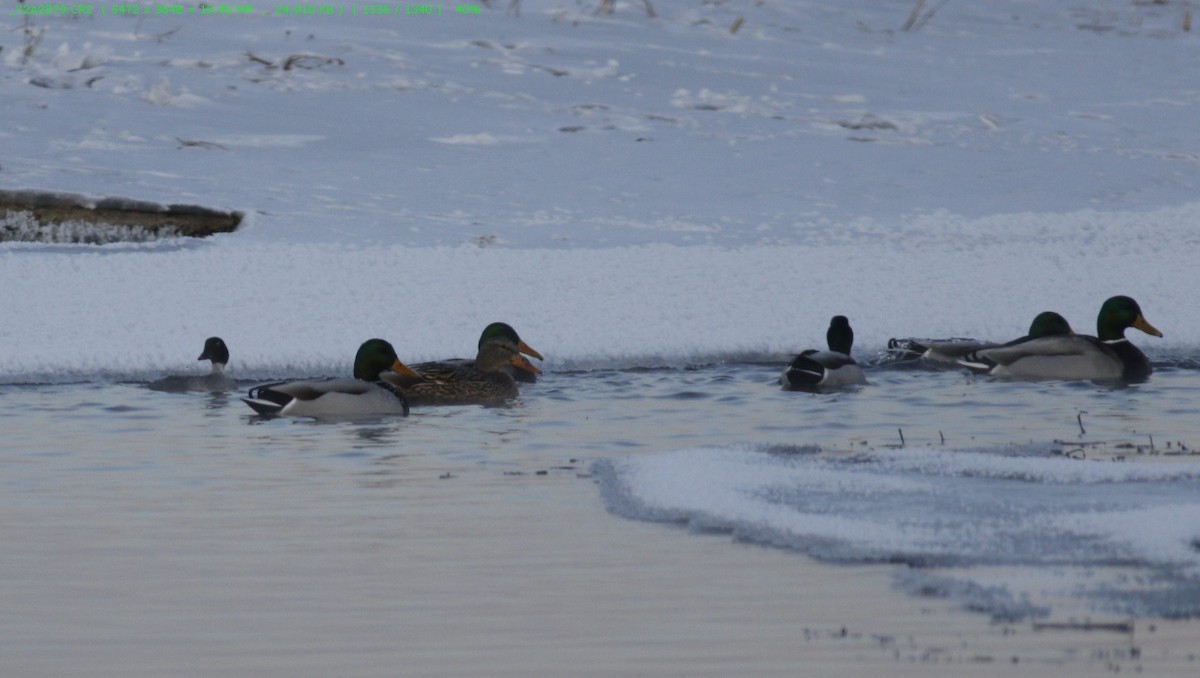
x: 141, y: 526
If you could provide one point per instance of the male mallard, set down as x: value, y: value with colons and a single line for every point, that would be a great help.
x: 216, y: 381
x: 486, y: 381
x: 1047, y: 324
x: 1107, y: 356
x: 819, y: 370
x: 951, y: 351
x: 364, y: 395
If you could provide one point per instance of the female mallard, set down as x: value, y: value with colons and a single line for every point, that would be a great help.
x: 485, y: 381
x: 819, y: 370
x: 216, y: 381
x: 951, y: 351
x: 364, y: 395
x: 521, y: 370
x: 1107, y: 356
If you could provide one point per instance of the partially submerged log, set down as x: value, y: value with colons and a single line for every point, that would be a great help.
x: 43, y: 216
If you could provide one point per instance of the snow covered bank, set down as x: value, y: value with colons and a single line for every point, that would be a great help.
x: 624, y: 190
x: 560, y: 128
x: 135, y: 310
x: 951, y: 514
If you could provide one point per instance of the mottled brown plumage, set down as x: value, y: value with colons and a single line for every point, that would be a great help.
x: 485, y: 381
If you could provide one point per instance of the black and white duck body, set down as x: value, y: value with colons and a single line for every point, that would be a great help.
x: 823, y: 370
x: 1109, y: 356
x: 364, y: 395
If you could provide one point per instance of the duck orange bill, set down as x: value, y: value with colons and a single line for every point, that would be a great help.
x: 525, y: 348
x: 1146, y: 327
x: 522, y: 363
x: 407, y: 371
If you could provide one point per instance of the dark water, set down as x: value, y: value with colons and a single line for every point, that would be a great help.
x: 149, y: 525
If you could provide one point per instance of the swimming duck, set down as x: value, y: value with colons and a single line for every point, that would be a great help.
x: 1046, y: 324
x: 521, y: 370
x: 485, y: 381
x: 820, y: 370
x: 1107, y: 356
x: 951, y: 351
x: 216, y: 381
x: 364, y: 395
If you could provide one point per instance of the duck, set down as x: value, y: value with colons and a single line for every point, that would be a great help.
x: 364, y: 395
x: 521, y: 370
x: 216, y: 381
x: 815, y: 370
x: 487, y: 380
x: 950, y: 351
x: 1108, y: 356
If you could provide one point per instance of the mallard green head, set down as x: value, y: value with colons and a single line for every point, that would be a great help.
x: 1118, y: 313
x: 1049, y: 324
x: 840, y: 337
x: 376, y: 356
x: 504, y: 333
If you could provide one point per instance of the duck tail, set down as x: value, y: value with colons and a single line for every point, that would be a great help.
x: 266, y: 401
x: 264, y: 407
x: 906, y: 349
x: 803, y: 373
x: 977, y: 363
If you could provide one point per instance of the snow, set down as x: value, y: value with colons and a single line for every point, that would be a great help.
x: 623, y: 190
x: 946, y: 514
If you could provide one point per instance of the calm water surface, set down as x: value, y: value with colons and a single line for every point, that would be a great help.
x: 149, y: 533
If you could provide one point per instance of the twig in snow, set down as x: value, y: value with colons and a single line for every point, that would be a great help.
x: 310, y: 61
x: 1116, y: 627
x: 159, y: 37
x: 33, y: 36
x: 186, y: 143
x: 297, y: 61
x: 259, y: 60
x: 916, y: 19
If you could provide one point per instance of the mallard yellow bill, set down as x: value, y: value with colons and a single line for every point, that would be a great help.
x: 1107, y: 356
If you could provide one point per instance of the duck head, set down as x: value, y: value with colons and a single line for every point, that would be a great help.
x: 1049, y: 324
x: 840, y: 337
x: 503, y: 335
x: 216, y: 351
x: 376, y: 356
x: 1119, y: 313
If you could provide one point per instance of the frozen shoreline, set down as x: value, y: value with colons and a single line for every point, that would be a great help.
x: 625, y: 191
x: 134, y: 311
